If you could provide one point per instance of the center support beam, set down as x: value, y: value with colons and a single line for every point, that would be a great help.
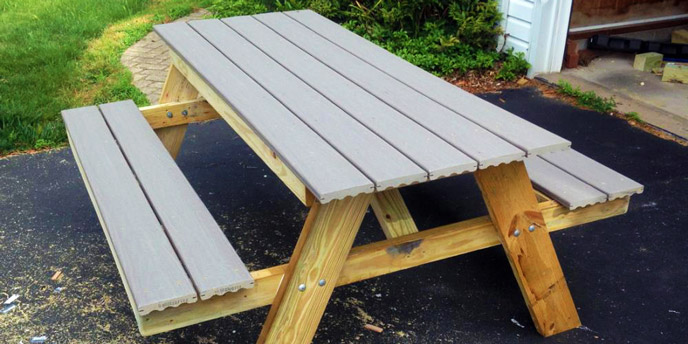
x: 176, y: 89
x: 523, y: 233
x: 313, y: 270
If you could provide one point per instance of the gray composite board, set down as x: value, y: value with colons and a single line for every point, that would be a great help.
x: 377, y: 159
x: 560, y: 185
x: 519, y: 132
x: 206, y: 254
x: 154, y: 276
x: 614, y: 184
x: 478, y: 143
x: 423, y: 147
x: 317, y: 164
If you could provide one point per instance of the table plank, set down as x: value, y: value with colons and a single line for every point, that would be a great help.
x: 209, y: 258
x: 378, y: 160
x: 152, y: 274
x: 326, y: 172
x: 561, y: 186
x: 519, y: 132
x: 614, y: 184
x: 406, y: 135
x: 473, y: 140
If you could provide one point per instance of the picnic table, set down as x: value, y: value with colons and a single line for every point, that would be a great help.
x: 344, y: 124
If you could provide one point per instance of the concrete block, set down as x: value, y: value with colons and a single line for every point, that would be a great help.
x: 680, y: 36
x: 675, y: 72
x: 645, y: 62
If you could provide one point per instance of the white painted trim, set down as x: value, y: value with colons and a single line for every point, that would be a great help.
x: 548, y: 35
x: 626, y: 23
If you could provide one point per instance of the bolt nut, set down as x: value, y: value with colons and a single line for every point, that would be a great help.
x: 169, y: 114
x: 322, y: 282
x: 302, y: 287
x: 532, y: 228
x: 185, y: 112
x: 517, y: 232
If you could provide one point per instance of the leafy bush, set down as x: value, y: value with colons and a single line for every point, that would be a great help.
x: 440, y: 36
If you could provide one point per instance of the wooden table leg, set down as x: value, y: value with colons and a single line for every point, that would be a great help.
x: 176, y: 89
x: 392, y: 213
x: 313, y: 270
x: 513, y: 208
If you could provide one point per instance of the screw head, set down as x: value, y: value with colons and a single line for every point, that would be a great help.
x: 322, y: 282
x: 169, y: 114
x: 531, y: 228
x: 517, y: 232
x: 185, y: 112
x: 302, y: 287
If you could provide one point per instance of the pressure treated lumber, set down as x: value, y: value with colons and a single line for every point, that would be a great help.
x: 175, y: 89
x: 407, y: 136
x: 517, y: 131
x: 478, y: 143
x: 647, y: 61
x: 376, y: 259
x: 378, y: 160
x: 513, y: 208
x: 392, y: 214
x: 679, y: 36
x: 152, y: 275
x: 260, y: 148
x: 209, y: 259
x: 313, y: 269
x: 675, y: 72
x: 197, y: 110
x: 560, y: 185
x: 614, y: 184
x: 325, y: 171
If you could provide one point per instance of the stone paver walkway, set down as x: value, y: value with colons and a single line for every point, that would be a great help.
x: 148, y: 60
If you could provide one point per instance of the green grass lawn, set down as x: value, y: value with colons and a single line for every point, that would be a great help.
x: 58, y: 54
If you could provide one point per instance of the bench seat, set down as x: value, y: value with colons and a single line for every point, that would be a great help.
x: 575, y: 181
x: 168, y: 248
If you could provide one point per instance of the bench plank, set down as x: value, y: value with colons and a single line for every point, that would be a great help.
x: 519, y: 132
x: 473, y: 140
x: 378, y: 160
x: 561, y: 186
x: 406, y: 135
x: 203, y: 248
x: 614, y: 184
x: 151, y: 272
x: 326, y: 172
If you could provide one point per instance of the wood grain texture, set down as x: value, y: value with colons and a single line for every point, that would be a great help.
x: 406, y: 135
x: 378, y: 160
x: 262, y: 150
x: 198, y: 110
x: 175, y: 89
x: 150, y: 270
x: 476, y: 142
x: 614, y: 184
x: 324, y: 170
x: 561, y: 186
x: 376, y: 259
x: 320, y: 253
x: 515, y: 130
x: 208, y: 257
x: 392, y: 214
x: 512, y: 205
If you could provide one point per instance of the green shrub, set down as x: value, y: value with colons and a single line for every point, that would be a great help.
x: 587, y: 99
x: 440, y: 36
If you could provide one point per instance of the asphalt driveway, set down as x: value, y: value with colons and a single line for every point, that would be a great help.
x: 628, y: 275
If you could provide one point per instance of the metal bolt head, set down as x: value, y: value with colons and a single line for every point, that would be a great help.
x: 531, y: 228
x: 185, y: 112
x: 169, y: 114
x: 302, y: 287
x: 517, y: 232
x: 322, y: 282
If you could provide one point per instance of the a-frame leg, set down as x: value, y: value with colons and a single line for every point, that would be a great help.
x: 313, y: 270
x: 392, y: 213
x: 176, y: 89
x: 513, y: 208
